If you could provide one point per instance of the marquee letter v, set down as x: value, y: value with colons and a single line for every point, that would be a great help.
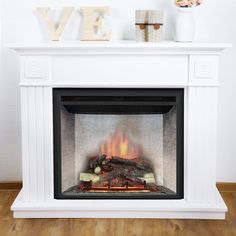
x: 55, y: 32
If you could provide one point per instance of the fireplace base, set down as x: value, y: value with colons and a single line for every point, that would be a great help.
x: 171, y: 209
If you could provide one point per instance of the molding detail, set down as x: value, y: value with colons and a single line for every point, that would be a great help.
x: 203, y: 69
x: 118, y: 48
x: 35, y: 69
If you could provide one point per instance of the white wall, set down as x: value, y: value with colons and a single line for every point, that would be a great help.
x: 215, y: 21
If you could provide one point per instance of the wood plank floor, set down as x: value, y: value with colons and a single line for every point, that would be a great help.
x: 116, y: 227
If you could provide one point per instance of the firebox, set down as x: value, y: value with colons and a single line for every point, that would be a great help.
x: 118, y: 143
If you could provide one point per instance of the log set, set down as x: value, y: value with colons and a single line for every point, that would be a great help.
x: 117, y: 174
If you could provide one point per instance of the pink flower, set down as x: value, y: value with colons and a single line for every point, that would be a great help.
x: 188, y: 3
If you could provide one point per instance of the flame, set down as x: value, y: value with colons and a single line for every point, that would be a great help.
x: 120, y: 145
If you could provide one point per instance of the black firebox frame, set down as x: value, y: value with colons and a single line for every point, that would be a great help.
x: 118, y: 101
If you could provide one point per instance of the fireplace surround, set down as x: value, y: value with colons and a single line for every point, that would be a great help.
x: 188, y: 67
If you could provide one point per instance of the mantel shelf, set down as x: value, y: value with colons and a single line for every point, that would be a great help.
x: 117, y: 47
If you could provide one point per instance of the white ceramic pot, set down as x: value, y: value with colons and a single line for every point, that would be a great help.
x: 184, y: 25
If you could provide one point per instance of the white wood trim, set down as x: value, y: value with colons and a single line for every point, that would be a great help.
x: 201, y: 146
x: 117, y: 48
x: 48, y: 143
x: 40, y: 143
x: 32, y: 144
x: 177, y: 209
x: 140, y: 85
x: 122, y: 215
x: 117, y: 44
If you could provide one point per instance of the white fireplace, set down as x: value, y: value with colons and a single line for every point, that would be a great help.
x: 192, y: 67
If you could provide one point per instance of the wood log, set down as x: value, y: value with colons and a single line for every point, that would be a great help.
x: 134, y: 180
x: 138, y: 163
x: 149, y: 178
x: 97, y: 161
x: 107, y: 168
x: 122, y: 161
x: 144, y: 166
x: 97, y: 170
x: 93, y: 162
x: 88, y: 177
x: 102, y: 159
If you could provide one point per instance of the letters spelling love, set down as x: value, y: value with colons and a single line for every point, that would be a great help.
x: 92, y: 29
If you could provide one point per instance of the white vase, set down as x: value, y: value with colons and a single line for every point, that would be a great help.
x: 184, y: 25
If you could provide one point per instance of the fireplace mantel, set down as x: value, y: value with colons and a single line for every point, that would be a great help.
x: 192, y: 66
x: 117, y: 48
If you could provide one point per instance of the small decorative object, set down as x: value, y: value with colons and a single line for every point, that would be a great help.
x: 155, y: 26
x: 55, y: 31
x: 93, y: 19
x: 149, y: 25
x: 141, y: 17
x: 184, y: 23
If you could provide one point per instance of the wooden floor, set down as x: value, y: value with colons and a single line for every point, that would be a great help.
x: 117, y: 227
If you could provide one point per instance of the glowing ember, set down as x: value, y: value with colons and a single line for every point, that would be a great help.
x: 120, y: 145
